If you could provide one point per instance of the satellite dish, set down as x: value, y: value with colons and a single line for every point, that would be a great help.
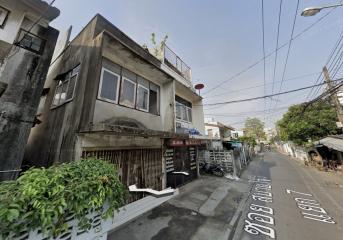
x: 199, y: 86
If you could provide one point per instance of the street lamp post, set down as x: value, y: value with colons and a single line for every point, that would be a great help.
x: 311, y: 11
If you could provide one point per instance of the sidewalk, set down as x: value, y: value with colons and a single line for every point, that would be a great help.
x: 203, y: 210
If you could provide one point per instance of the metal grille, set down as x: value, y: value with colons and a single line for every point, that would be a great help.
x: 175, y: 62
x: 142, y: 167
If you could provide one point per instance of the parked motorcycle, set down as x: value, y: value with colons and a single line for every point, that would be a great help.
x: 212, y: 169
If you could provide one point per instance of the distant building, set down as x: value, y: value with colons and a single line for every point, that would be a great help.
x: 237, y: 133
x: 218, y: 130
x: 26, y: 47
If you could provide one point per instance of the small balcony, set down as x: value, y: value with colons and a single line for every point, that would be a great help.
x: 174, y: 62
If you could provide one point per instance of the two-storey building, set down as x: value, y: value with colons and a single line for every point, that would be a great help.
x: 110, y: 98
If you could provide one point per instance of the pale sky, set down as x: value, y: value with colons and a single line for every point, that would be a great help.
x: 220, y: 38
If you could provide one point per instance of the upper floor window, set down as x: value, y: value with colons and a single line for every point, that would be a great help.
x: 135, y: 91
x: 183, y: 109
x: 128, y: 93
x: 66, y: 87
x: 109, y: 86
x: 30, y: 41
x: 142, y: 98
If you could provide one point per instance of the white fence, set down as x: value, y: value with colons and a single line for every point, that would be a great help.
x: 231, y: 161
x: 294, y: 151
x: 99, y: 228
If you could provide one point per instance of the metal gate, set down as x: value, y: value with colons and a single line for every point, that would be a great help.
x: 142, y: 167
x: 180, y: 159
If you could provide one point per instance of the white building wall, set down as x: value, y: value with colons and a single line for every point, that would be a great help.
x: 215, y: 131
x: 197, y: 108
x: 15, y: 18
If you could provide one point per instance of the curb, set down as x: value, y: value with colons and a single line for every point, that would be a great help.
x: 236, y: 217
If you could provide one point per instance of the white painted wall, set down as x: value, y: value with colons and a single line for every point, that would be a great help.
x: 15, y: 18
x: 215, y: 132
x: 197, y: 108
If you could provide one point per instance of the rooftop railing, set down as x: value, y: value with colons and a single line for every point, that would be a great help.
x: 175, y: 62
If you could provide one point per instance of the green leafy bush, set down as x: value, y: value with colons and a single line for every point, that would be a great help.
x: 44, y: 197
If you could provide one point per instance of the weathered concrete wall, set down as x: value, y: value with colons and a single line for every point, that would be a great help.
x: 119, y: 54
x: 198, y: 116
x: 53, y: 141
x: 103, y: 141
x: 25, y: 73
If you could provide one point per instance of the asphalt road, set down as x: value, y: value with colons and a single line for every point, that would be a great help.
x: 290, y: 201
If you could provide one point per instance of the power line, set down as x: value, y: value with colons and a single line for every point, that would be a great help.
x: 289, y: 47
x: 331, y: 65
x: 337, y: 65
x: 261, y: 85
x: 264, y: 51
x: 328, y: 60
x: 322, y: 96
x: 271, y: 53
x: 277, y: 45
x: 267, y: 96
x: 240, y: 114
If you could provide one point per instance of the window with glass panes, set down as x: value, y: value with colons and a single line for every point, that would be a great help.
x: 135, y: 91
x: 183, y: 109
x: 65, y: 87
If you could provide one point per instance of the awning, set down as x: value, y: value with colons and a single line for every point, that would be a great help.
x: 332, y: 142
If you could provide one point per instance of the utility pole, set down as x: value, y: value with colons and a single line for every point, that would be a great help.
x: 334, y: 97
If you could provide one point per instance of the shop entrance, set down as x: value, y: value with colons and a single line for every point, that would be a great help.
x: 181, y: 163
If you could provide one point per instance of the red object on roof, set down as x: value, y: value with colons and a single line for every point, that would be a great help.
x: 199, y: 86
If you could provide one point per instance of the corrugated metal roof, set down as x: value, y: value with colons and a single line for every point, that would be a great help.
x: 332, y: 142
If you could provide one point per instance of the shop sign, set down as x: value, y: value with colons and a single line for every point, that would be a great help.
x: 193, y: 142
x: 176, y: 142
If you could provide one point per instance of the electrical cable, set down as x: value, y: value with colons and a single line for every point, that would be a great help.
x: 289, y: 49
x: 271, y: 53
x: 277, y: 45
x: 261, y: 85
x: 266, y: 96
x: 264, y: 52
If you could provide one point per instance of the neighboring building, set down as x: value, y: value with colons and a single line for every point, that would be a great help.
x: 217, y: 133
x: 111, y: 99
x: 237, y: 133
x: 26, y: 47
x: 218, y: 130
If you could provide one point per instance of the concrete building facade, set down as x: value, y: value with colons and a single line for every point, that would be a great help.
x: 26, y: 47
x: 110, y: 98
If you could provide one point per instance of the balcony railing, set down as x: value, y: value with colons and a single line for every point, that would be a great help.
x: 175, y: 62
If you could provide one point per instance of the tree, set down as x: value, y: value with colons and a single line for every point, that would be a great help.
x: 250, y: 140
x: 254, y: 128
x: 157, y: 49
x: 299, y: 126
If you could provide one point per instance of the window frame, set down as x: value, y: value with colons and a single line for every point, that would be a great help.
x: 158, y: 98
x: 186, y: 108
x: 123, y: 78
x: 148, y: 102
x: 60, y: 84
x: 103, y: 69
